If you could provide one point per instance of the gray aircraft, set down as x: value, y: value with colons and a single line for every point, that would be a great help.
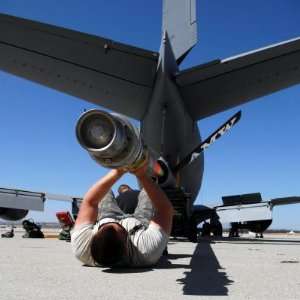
x: 150, y: 87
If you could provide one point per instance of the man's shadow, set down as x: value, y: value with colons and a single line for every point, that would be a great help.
x: 164, y: 263
x: 203, y: 275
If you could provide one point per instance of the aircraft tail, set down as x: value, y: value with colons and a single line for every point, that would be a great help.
x: 180, y: 24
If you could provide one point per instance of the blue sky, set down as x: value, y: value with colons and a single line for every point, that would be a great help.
x: 39, y: 150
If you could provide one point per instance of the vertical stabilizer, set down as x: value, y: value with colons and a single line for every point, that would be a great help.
x: 180, y: 23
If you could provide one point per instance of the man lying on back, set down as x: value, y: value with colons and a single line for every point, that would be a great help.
x: 116, y: 239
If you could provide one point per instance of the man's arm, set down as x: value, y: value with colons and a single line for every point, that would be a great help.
x: 88, y: 211
x: 163, y: 208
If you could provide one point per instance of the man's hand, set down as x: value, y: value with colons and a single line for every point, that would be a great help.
x: 121, y: 171
x: 141, y: 170
x: 89, y: 207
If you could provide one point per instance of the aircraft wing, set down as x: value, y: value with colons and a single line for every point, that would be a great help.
x: 101, y: 71
x: 223, y: 84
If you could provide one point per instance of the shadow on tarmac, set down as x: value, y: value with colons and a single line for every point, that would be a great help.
x: 206, y: 276
x: 164, y: 263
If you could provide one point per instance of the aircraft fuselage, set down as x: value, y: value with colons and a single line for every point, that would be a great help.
x: 167, y: 127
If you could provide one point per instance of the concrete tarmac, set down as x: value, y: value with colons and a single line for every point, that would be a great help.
x: 245, y: 268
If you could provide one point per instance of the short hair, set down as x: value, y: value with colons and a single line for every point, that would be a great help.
x: 107, y: 246
x: 123, y: 186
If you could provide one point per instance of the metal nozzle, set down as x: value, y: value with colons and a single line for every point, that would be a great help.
x: 110, y: 139
x: 113, y: 142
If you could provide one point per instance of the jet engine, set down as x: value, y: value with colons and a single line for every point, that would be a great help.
x: 12, y: 214
x: 113, y: 142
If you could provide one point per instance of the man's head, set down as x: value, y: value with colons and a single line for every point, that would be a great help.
x: 109, y: 244
x: 124, y: 188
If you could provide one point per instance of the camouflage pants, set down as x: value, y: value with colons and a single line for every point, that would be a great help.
x: 108, y: 208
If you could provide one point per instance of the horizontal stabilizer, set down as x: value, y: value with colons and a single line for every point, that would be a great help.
x: 217, y: 86
x: 101, y: 71
x: 285, y: 201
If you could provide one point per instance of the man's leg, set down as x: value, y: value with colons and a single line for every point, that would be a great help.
x: 144, y: 210
x: 108, y: 208
x: 128, y: 201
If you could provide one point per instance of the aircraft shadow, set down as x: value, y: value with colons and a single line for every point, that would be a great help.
x: 206, y: 276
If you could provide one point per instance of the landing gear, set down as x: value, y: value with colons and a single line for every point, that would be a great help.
x: 216, y: 228
x: 192, y: 233
x: 259, y: 235
x: 187, y: 217
x: 234, y: 231
x: 212, y: 229
x: 206, y: 229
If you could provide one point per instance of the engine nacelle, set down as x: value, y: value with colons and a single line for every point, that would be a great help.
x: 12, y: 214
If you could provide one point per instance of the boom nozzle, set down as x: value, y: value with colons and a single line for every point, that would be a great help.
x: 113, y: 142
x: 110, y: 139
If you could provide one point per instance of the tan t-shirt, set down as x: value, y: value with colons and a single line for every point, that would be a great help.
x: 146, y: 247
